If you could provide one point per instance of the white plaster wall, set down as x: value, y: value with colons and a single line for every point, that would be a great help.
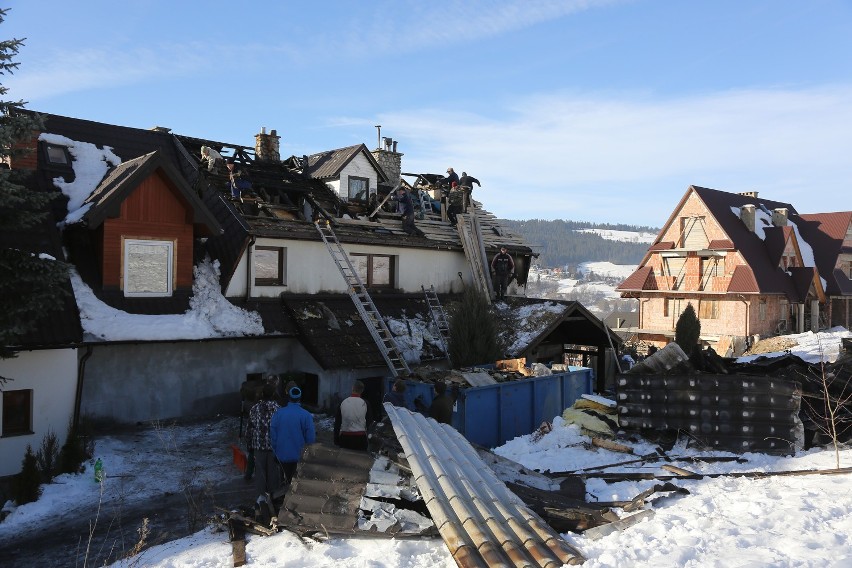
x: 310, y: 269
x: 360, y: 166
x: 334, y: 185
x: 237, y: 285
x: 52, y: 376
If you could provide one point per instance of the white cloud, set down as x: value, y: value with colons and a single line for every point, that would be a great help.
x: 576, y: 150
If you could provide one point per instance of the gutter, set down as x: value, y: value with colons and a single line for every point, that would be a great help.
x: 249, y: 248
x: 78, y: 396
x: 748, y: 315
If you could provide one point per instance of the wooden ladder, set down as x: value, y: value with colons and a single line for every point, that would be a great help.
x: 474, y: 250
x: 439, y: 316
x: 361, y: 298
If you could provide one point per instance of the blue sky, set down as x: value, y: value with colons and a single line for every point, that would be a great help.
x: 592, y: 110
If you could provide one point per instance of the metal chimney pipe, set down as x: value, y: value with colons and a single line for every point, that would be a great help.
x: 394, y: 146
x: 379, y: 129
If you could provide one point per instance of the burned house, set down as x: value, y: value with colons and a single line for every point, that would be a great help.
x: 140, y: 212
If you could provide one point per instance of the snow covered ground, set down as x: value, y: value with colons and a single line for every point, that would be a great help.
x: 781, y: 521
x: 622, y: 236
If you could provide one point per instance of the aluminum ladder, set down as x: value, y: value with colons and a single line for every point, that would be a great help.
x: 439, y: 316
x: 361, y: 298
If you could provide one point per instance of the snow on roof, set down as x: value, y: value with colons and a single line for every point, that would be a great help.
x: 763, y: 220
x: 90, y: 165
x: 210, y: 314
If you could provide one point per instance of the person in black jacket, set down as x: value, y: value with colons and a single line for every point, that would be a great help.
x: 406, y: 211
x: 502, y: 270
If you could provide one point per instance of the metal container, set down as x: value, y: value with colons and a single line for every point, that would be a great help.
x: 491, y: 415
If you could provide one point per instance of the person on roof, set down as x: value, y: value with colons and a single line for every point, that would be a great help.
x: 406, y: 211
x: 456, y: 201
x: 467, y: 181
x: 211, y: 158
x: 452, y: 177
x: 239, y: 181
x: 502, y: 270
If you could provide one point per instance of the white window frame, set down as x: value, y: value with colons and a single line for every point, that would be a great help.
x: 126, y: 267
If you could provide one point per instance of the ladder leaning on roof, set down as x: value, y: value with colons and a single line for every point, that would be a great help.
x: 439, y: 316
x: 366, y: 308
x: 474, y: 250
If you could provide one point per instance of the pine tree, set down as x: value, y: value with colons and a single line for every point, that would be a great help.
x: 473, y: 332
x: 687, y: 330
x: 31, y: 283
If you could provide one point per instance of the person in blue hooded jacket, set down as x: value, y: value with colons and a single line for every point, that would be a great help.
x: 292, y: 428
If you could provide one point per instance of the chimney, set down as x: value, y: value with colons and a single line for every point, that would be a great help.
x: 749, y: 194
x: 162, y: 129
x: 266, y: 148
x: 747, y: 216
x: 390, y: 160
x: 779, y: 217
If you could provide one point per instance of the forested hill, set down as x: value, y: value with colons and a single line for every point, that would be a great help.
x: 559, y: 242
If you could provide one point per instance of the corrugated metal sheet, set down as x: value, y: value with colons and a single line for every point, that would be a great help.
x: 480, y: 520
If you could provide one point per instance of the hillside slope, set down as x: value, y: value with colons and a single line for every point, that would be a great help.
x: 566, y: 243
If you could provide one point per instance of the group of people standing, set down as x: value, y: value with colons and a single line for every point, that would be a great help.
x: 276, y: 435
x: 278, y: 432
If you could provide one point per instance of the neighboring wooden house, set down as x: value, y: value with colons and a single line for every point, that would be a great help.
x: 154, y: 212
x: 750, y: 267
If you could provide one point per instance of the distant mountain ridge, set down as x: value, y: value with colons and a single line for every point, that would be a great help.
x: 560, y: 243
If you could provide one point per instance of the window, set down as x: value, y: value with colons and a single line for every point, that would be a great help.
x: 270, y: 266
x: 694, y: 236
x: 673, y: 307
x: 708, y: 309
x: 359, y: 188
x: 761, y: 309
x: 57, y: 154
x: 709, y: 270
x: 375, y: 270
x: 148, y: 268
x: 17, y: 412
x: 676, y: 268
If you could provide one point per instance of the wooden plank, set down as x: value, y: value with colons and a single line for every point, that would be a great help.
x: 677, y: 470
x: 603, y: 530
x: 610, y: 445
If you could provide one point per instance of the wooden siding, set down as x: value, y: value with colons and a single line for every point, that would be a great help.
x: 152, y: 211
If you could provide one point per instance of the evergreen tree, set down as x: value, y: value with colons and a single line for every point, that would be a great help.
x: 473, y: 332
x: 31, y: 283
x: 26, y: 486
x: 688, y: 330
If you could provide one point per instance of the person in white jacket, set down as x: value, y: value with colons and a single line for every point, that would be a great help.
x: 352, y: 420
x: 212, y: 157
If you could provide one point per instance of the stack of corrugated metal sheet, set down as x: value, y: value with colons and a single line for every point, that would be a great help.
x: 480, y: 520
x: 726, y: 412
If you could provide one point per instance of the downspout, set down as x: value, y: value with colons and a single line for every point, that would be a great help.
x: 78, y: 396
x: 248, y: 267
x: 748, y: 315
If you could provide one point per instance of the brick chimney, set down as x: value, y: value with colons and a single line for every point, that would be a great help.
x: 266, y: 146
x: 747, y: 216
x: 389, y: 159
x: 779, y: 217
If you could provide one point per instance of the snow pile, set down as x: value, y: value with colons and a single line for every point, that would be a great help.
x: 820, y: 347
x: 412, y: 335
x: 529, y: 322
x: 90, y: 165
x: 210, y: 314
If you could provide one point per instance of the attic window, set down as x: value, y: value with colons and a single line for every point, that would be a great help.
x: 17, y: 412
x: 270, y: 266
x: 359, y: 188
x: 375, y: 270
x: 57, y: 154
x: 148, y: 268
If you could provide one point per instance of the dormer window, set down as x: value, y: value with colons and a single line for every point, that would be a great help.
x: 57, y: 155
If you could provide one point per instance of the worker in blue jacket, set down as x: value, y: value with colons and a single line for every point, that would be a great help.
x: 292, y: 428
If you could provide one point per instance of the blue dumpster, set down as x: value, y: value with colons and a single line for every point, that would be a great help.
x: 491, y: 415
